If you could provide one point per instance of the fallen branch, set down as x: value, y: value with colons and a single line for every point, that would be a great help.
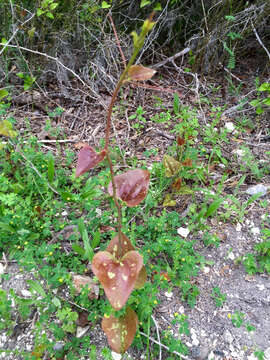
x: 171, y: 58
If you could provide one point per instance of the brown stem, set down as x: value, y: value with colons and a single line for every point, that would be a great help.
x: 117, y: 40
x: 117, y: 204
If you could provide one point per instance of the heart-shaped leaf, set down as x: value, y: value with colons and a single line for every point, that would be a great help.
x: 140, y: 73
x: 131, y: 186
x: 126, y: 246
x: 171, y: 165
x: 88, y: 158
x: 120, y: 331
x: 118, y: 277
x: 118, y: 248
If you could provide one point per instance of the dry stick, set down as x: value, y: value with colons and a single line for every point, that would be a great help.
x: 171, y: 58
x: 160, y: 348
x: 117, y: 40
x: 204, y: 15
x: 259, y: 40
x: 58, y: 62
x: 164, y: 346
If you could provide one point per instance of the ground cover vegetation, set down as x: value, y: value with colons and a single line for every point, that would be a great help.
x: 59, y: 224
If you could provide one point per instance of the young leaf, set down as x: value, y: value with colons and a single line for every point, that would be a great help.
x: 180, y: 141
x: 171, y: 165
x: 187, y: 162
x: 176, y: 185
x: 6, y: 129
x: 89, y: 253
x: 213, y: 207
x: 88, y: 158
x: 168, y: 201
x: 140, y: 73
x: 141, y: 279
x: 3, y: 93
x: 120, y: 331
x: 117, y: 277
x: 131, y: 186
x: 105, y: 5
x: 51, y: 169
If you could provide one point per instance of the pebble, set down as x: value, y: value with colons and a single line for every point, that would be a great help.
x: 183, y: 232
x: 206, y: 269
x: 58, y: 346
x: 81, y: 331
x: 116, y: 356
x: 26, y: 293
x: 256, y: 189
x: 255, y: 231
x: 238, y: 227
x: 228, y: 337
x: 2, y: 269
x: 229, y: 126
x: 267, y: 354
x: 168, y: 294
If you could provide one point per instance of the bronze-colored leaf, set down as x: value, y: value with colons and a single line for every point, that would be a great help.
x: 140, y: 73
x: 131, y: 186
x: 118, y: 248
x: 117, y: 277
x: 141, y: 279
x: 180, y: 141
x: 88, y: 158
x: 187, y: 162
x: 171, y: 165
x: 120, y: 331
x: 168, y: 201
x: 176, y: 185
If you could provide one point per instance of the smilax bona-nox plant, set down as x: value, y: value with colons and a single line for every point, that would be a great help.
x: 120, y: 268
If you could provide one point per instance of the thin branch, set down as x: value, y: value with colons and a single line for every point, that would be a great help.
x: 171, y: 58
x: 164, y: 346
x: 59, y: 63
x: 259, y: 40
x: 117, y: 40
x: 160, y: 347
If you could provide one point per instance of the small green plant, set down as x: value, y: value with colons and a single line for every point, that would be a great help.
x: 46, y: 8
x: 28, y: 80
x: 262, y: 102
x: 218, y: 296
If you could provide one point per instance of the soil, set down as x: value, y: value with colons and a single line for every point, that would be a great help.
x: 212, y: 333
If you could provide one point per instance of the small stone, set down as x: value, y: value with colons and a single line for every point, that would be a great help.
x: 183, y: 232
x: 168, y: 294
x: 257, y: 189
x: 80, y: 281
x: 267, y: 354
x: 200, y: 352
x: 2, y: 269
x: 58, y: 346
x: 81, y: 331
x: 238, y: 227
x: 228, y: 337
x: 239, y: 152
x: 231, y: 256
x: 116, y: 356
x: 206, y: 269
x: 261, y: 287
x: 229, y: 126
x: 255, y: 231
x: 64, y: 213
x: 26, y: 293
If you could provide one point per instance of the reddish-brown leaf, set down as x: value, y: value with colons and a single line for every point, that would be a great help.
x: 88, y: 158
x: 180, y: 141
x: 187, y: 162
x: 119, y: 248
x: 131, y: 186
x: 140, y: 73
x: 120, y: 331
x: 176, y: 185
x: 117, y: 277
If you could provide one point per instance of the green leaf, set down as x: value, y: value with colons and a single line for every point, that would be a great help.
x: 96, y: 239
x: 6, y: 227
x: 105, y: 5
x: 255, y: 102
x: 53, y: 6
x: 51, y: 169
x: 264, y: 87
x: 36, y: 287
x: 213, y: 207
x: 144, y: 3
x: 158, y: 7
x: 78, y: 249
x: 176, y: 104
x: 49, y: 15
x: 266, y: 101
x: 40, y: 12
x: 3, y: 93
x: 89, y: 253
x: 56, y: 302
x: 6, y: 129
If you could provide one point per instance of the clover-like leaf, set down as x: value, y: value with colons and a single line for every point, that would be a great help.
x: 140, y: 73
x: 117, y: 277
x: 131, y: 186
x: 171, y: 165
x: 120, y: 331
x: 6, y: 129
x: 88, y: 158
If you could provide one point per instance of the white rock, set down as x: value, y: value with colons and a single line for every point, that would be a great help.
x: 261, y: 287
x: 116, y: 356
x: 239, y: 152
x: 238, y: 227
x: 99, y: 212
x: 206, y: 269
x: 228, y: 337
x: 168, y: 294
x: 2, y: 269
x: 252, y: 357
x: 231, y: 256
x: 81, y: 331
x: 229, y: 126
x: 64, y: 213
x: 183, y: 232
x: 26, y: 293
x: 267, y: 354
x: 255, y: 231
x: 256, y: 189
x: 181, y: 309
